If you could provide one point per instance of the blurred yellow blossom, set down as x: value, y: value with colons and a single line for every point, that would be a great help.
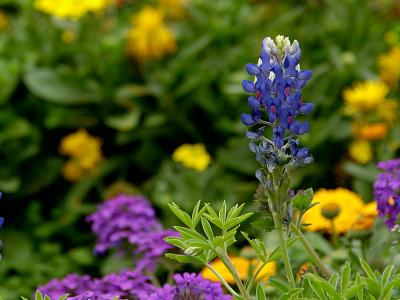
x: 243, y: 267
x: 71, y: 9
x: 175, y: 8
x: 361, y: 151
x: 388, y: 63
x: 68, y: 36
x: 371, y: 132
x: 366, y: 218
x: 150, y: 37
x: 85, y: 154
x: 192, y: 156
x: 351, y: 206
x: 4, y: 22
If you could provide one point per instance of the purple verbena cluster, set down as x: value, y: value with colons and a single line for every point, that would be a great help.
x: 190, y: 286
x: 277, y: 102
x: 387, y: 192
x: 130, y: 220
x: 126, y: 284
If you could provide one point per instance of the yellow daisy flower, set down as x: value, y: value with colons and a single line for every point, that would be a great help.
x: 366, y: 218
x: 150, y: 37
x: 192, y: 156
x: 388, y: 63
x: 71, y: 9
x: 243, y: 266
x: 351, y: 206
x: 84, y: 151
x: 361, y: 151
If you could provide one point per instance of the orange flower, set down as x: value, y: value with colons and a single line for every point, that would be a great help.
x: 371, y: 132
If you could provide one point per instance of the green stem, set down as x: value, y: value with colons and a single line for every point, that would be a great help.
x: 228, y: 263
x: 327, y: 272
x: 254, y: 278
x: 222, y: 280
x: 334, y: 235
x: 285, y: 254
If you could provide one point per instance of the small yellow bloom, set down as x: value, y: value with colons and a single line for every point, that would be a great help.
x: 364, y: 97
x: 351, y: 206
x: 4, y: 22
x: 243, y: 266
x: 150, y: 37
x: 68, y: 36
x: 71, y: 9
x: 192, y: 156
x: 371, y: 132
x: 85, y: 154
x: 361, y: 151
x: 391, y: 201
x: 388, y: 63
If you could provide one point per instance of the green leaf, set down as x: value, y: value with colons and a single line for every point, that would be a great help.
x: 279, y: 285
x: 258, y: 246
x: 324, y: 285
x: 373, y: 287
x: 181, y: 215
x: 176, y: 241
x: 216, y: 221
x: 47, y: 298
x: 38, y: 295
x: 260, y: 295
x: 345, y: 278
x: 222, y: 212
x: 197, y: 213
x: 302, y: 200
x: 207, y: 229
x: 183, y: 258
x: 50, y: 86
x: 63, y: 297
x: 291, y: 294
x: 124, y: 122
x: 360, y: 292
x: 188, y: 234
x: 367, y: 269
x: 386, y: 275
x: 355, y: 289
x: 334, y: 280
x: 236, y: 221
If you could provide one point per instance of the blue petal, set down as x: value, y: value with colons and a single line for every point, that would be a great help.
x: 305, y: 75
x: 256, y: 114
x: 247, y: 119
x: 302, y: 153
x: 248, y: 86
x: 295, y: 127
x: 252, y: 69
x: 304, y: 127
x: 1, y: 222
x: 306, y: 108
x: 253, y: 102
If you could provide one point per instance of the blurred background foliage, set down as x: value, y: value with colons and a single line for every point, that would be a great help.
x: 59, y: 75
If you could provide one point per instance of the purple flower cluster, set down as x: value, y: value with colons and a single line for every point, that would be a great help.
x: 190, y: 286
x: 387, y: 192
x: 278, y: 96
x: 130, y: 220
x: 126, y: 284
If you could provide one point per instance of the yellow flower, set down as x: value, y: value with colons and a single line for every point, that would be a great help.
x: 4, y: 22
x: 243, y: 266
x: 176, y: 8
x: 388, y: 63
x: 361, y: 151
x: 192, y: 156
x: 350, y: 204
x: 371, y: 132
x: 85, y: 154
x: 366, y: 218
x: 150, y: 37
x: 68, y: 36
x: 71, y: 9
x: 364, y: 96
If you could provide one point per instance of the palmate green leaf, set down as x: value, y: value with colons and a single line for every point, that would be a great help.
x: 386, y: 275
x: 197, y: 213
x: 334, y: 280
x: 48, y: 85
x: 367, y: 269
x: 188, y: 234
x: 353, y: 290
x: 222, y: 212
x: 235, y: 211
x: 237, y: 220
x: 373, y: 287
